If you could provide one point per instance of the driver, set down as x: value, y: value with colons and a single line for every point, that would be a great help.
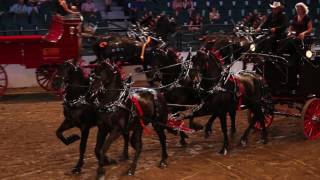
x: 276, y: 23
x: 300, y: 27
x: 301, y: 24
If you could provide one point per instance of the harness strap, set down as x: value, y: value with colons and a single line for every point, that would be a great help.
x: 135, y: 101
x: 144, y: 48
x: 239, y: 90
x: 218, y: 55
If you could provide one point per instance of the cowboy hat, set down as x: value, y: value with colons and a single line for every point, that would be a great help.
x: 276, y: 4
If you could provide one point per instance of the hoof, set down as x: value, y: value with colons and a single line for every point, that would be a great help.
x: 183, y: 144
x: 100, y: 174
x: 76, y: 171
x: 243, y: 143
x: 207, y: 134
x: 72, y: 139
x: 263, y: 141
x: 224, y: 151
x: 130, y: 172
x: 100, y: 177
x: 163, y: 164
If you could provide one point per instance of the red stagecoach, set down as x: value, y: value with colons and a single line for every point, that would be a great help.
x: 43, y: 52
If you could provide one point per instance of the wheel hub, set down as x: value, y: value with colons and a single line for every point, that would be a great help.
x: 315, y: 119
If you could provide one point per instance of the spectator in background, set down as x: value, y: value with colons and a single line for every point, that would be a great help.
x: 177, y: 6
x: 90, y: 11
x: 187, y: 4
x: 214, y: 15
x: 195, y: 23
x: 33, y: 6
x: 76, y: 3
x: 147, y: 19
x: 108, y: 5
x: 63, y: 8
x: 89, y: 7
x: 19, y: 8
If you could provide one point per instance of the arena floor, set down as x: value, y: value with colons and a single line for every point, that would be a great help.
x: 29, y: 149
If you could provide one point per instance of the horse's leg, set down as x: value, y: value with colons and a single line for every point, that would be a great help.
x: 63, y: 127
x: 125, y: 154
x: 115, y: 133
x: 163, y: 142
x: 83, y: 143
x: 208, y: 128
x: 232, y: 115
x: 194, y: 125
x: 264, y: 133
x: 101, y: 136
x: 136, y: 142
x: 224, y: 129
x: 244, y: 137
x: 183, y: 137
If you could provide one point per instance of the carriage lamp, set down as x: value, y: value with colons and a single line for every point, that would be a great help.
x: 253, y: 47
x: 309, y: 54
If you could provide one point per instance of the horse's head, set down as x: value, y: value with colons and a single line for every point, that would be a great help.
x: 200, y: 61
x: 68, y: 73
x: 161, y: 65
x: 105, y: 77
x: 206, y: 66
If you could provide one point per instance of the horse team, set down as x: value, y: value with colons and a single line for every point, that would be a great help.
x: 105, y: 98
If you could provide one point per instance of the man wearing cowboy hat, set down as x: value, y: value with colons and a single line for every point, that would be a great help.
x: 277, y: 23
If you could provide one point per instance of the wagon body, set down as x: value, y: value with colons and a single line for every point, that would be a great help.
x: 43, y: 52
x: 304, y: 98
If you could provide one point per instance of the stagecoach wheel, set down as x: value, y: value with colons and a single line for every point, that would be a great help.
x: 311, y: 118
x: 3, y: 81
x: 45, y: 74
x: 268, y: 119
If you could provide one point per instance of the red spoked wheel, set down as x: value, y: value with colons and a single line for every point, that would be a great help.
x: 311, y: 118
x: 45, y: 74
x: 268, y: 119
x: 3, y: 81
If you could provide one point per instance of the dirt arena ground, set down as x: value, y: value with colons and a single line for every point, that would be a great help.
x: 30, y: 150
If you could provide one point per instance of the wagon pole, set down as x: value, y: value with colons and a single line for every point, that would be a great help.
x: 287, y: 114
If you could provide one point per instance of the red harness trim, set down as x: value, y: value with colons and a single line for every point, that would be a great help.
x: 218, y: 55
x: 178, y: 125
x: 120, y: 70
x: 239, y: 91
x: 136, y: 103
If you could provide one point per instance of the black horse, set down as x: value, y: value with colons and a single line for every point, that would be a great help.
x: 226, y: 47
x: 176, y: 81
x: 76, y: 109
x: 225, y: 97
x: 119, y: 49
x: 121, y: 110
